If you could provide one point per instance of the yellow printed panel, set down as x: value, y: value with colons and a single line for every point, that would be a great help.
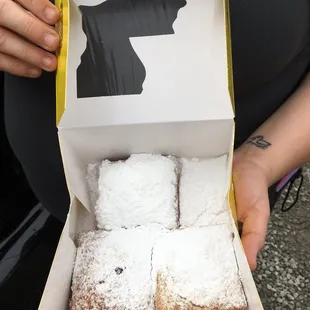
x: 62, y: 54
x: 232, y: 202
x: 229, y: 54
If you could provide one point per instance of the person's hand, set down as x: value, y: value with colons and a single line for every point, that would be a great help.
x: 27, y: 38
x: 253, y: 210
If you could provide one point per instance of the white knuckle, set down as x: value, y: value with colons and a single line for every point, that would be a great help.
x: 29, y: 25
x: 3, y: 7
x: 33, y: 2
x: 3, y: 36
x: 24, y: 53
x: 14, y: 65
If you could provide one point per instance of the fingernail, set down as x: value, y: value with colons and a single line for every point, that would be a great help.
x: 47, y: 62
x: 50, y: 14
x: 51, y: 40
x: 34, y: 72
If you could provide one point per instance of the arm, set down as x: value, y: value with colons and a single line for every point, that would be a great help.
x: 287, y: 137
x: 281, y: 144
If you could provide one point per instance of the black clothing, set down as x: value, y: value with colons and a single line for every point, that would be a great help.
x: 271, y: 54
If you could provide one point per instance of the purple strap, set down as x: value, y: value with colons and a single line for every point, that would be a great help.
x: 286, y: 179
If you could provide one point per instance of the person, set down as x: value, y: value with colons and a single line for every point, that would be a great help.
x: 271, y: 54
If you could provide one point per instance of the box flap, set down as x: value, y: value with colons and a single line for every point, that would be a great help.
x: 58, y: 287
x: 186, y: 69
x: 82, y: 146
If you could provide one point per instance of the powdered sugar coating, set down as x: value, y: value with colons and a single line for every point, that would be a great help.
x: 113, y: 269
x: 197, y: 267
x: 92, y: 177
x: 187, y: 269
x: 139, y: 191
x: 203, y: 190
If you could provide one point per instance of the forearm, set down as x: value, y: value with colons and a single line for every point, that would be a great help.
x: 286, y: 137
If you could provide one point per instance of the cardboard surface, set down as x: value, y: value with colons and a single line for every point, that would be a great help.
x: 175, y: 74
x: 195, y: 139
x: 58, y: 287
x: 181, y: 78
x: 177, y: 100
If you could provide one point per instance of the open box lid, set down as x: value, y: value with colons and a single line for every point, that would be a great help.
x: 181, y: 72
x: 183, y: 102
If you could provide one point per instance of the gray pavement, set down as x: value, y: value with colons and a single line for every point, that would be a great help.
x: 283, y: 273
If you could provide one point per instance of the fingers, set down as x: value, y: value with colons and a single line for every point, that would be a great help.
x: 254, y: 231
x: 15, y: 18
x: 18, y: 67
x: 253, y: 210
x: 15, y: 46
x: 21, y: 25
x: 43, y: 9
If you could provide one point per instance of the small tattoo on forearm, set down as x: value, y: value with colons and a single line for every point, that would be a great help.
x: 259, y: 141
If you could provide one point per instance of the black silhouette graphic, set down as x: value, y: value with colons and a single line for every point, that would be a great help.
x: 259, y: 142
x: 109, y: 65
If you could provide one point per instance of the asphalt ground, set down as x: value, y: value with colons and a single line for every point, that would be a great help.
x: 283, y: 273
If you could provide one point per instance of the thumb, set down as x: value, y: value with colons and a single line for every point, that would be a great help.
x: 254, y: 230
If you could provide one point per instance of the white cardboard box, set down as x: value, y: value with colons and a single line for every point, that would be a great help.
x: 184, y: 108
